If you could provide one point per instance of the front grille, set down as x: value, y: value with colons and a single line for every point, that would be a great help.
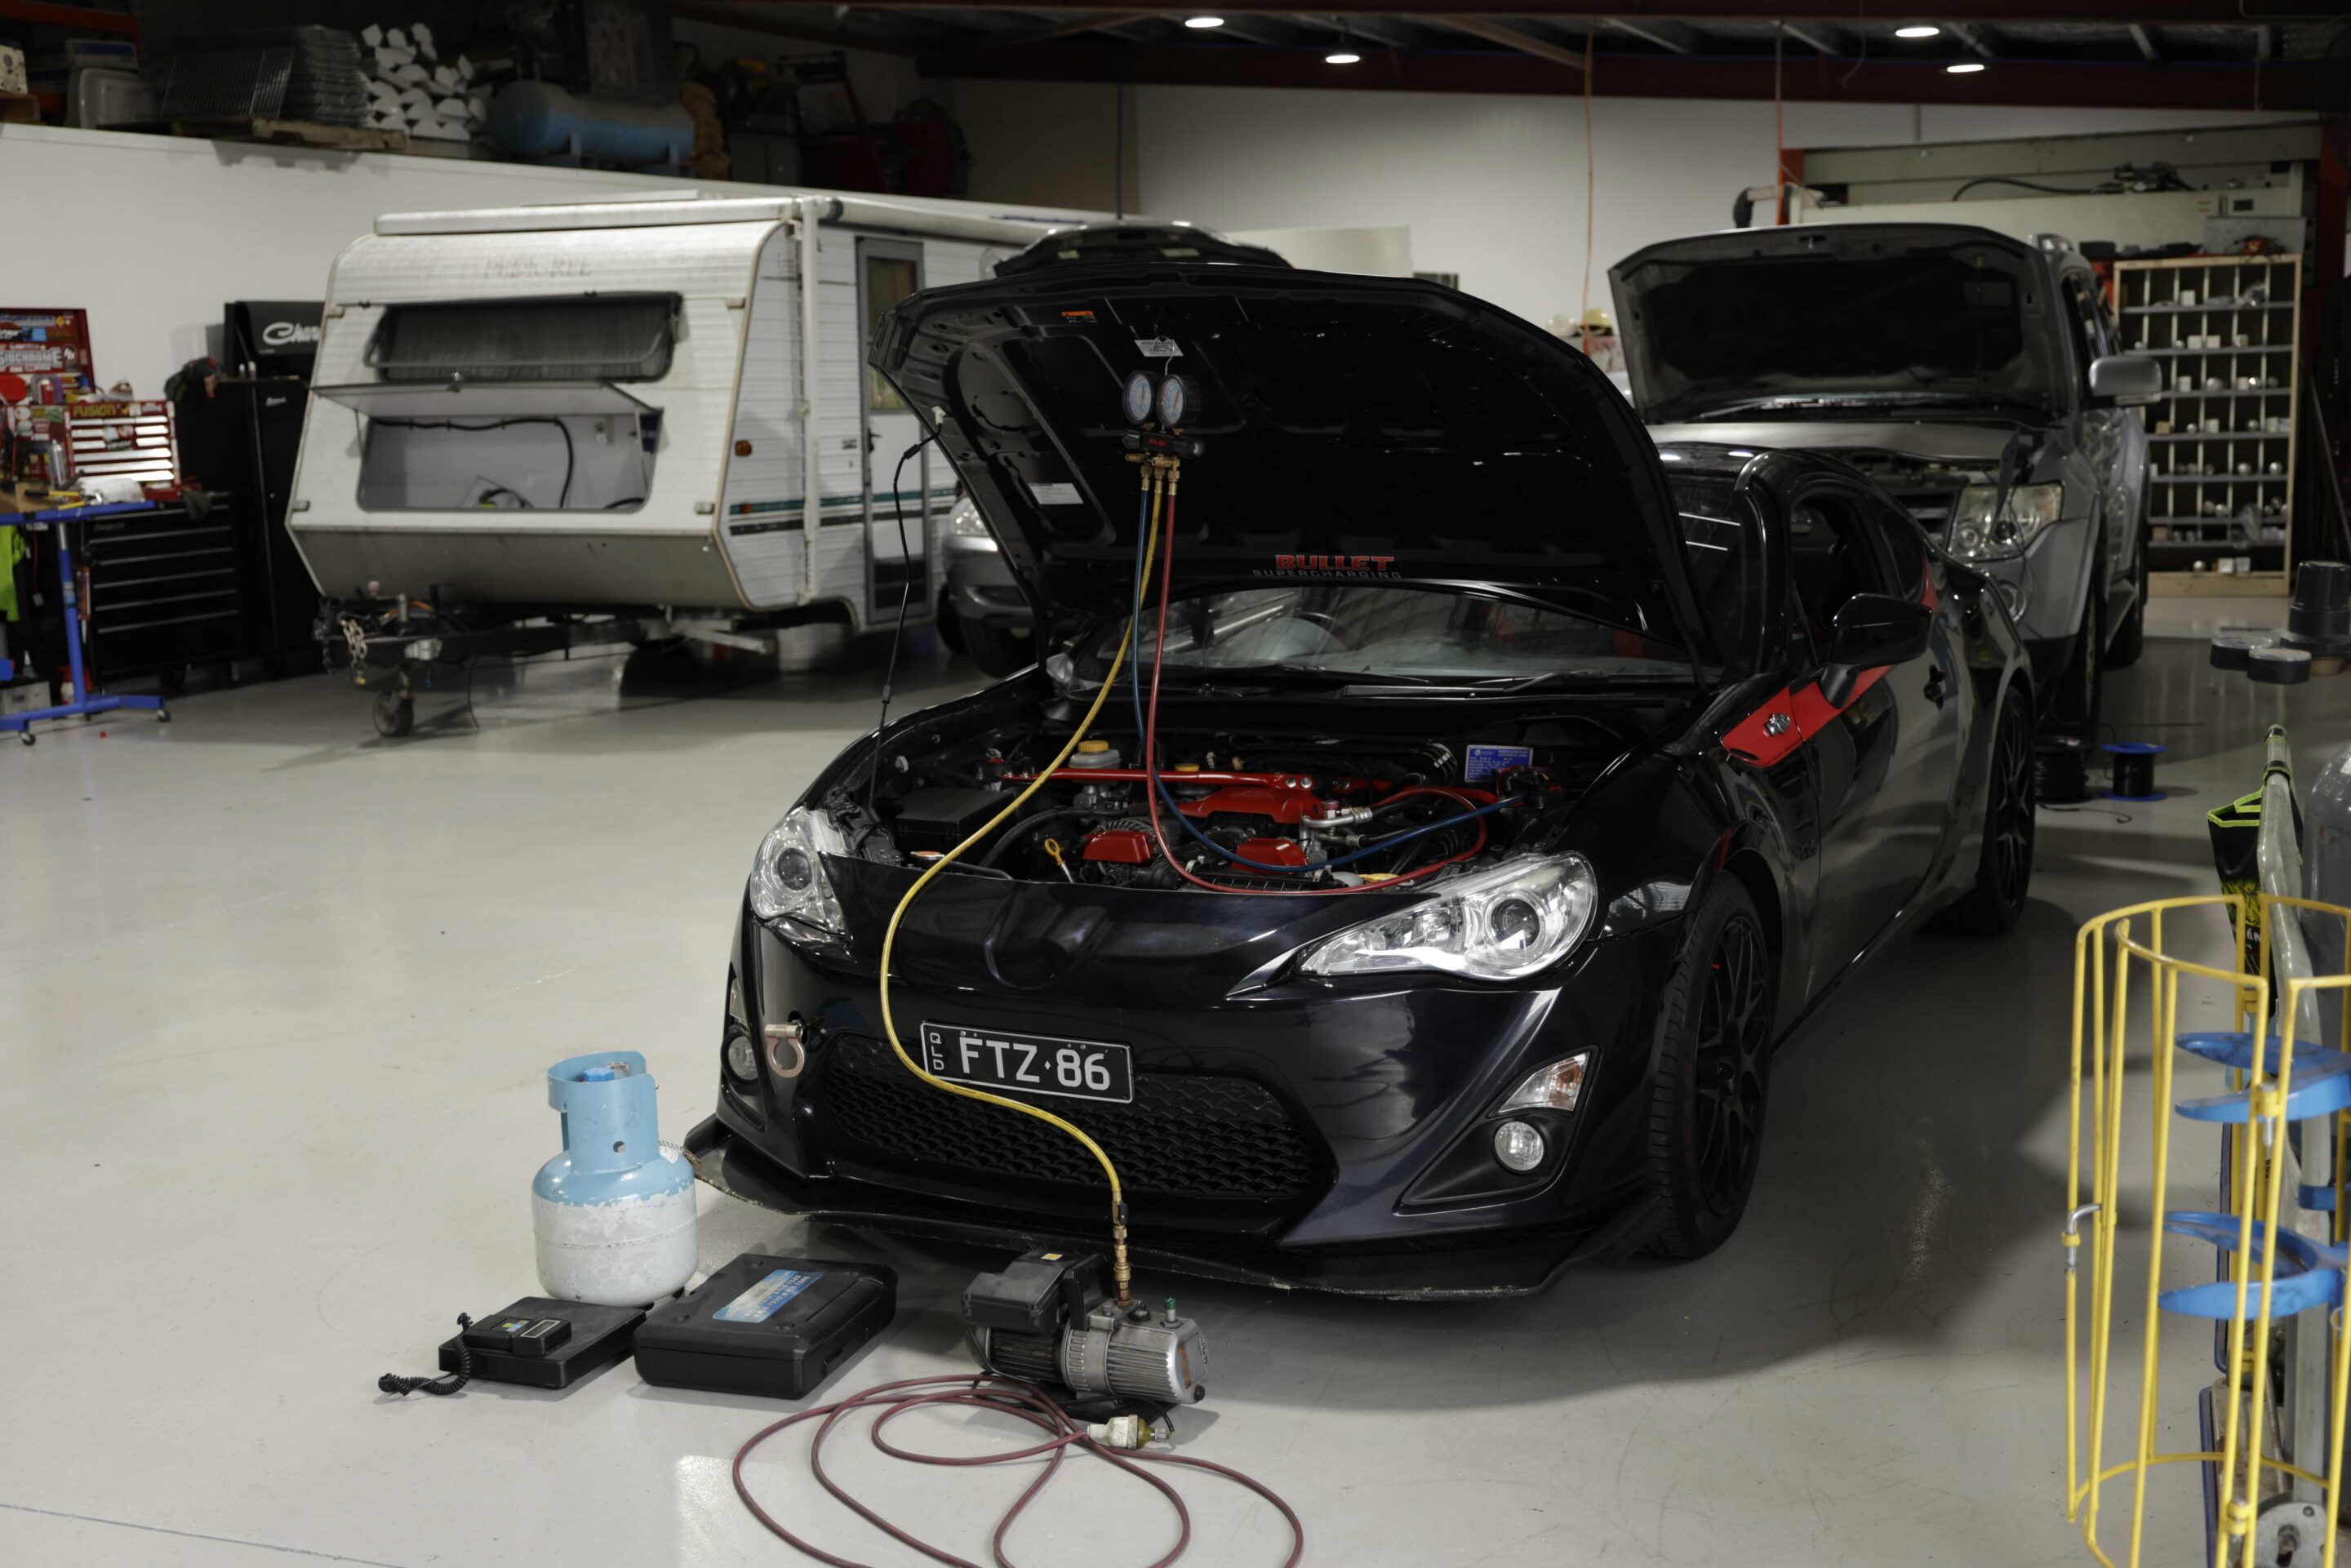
x: 1196, y: 1136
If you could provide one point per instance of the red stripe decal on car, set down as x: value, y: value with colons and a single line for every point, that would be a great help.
x: 1775, y: 730
x: 1789, y: 718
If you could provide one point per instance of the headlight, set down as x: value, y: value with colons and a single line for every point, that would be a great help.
x: 1977, y: 535
x: 788, y: 879
x: 966, y: 523
x: 1497, y: 925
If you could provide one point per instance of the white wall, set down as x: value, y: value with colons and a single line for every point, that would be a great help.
x: 153, y: 234
x: 1493, y: 185
x: 1048, y: 143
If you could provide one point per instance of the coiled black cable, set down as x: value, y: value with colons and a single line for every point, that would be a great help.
x: 447, y: 1383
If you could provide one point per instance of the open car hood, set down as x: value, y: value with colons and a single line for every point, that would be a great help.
x: 1352, y: 428
x: 1707, y: 318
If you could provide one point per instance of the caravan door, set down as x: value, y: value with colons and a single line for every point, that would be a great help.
x: 897, y: 570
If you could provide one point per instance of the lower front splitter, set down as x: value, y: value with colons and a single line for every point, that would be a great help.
x: 1519, y: 1264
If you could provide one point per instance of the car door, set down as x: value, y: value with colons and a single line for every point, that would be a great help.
x: 1885, y: 763
x: 2114, y: 440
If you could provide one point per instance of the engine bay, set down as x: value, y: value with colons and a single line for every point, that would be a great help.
x: 1242, y: 810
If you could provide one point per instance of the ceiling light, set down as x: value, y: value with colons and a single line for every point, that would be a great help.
x: 1204, y: 21
x: 1917, y: 30
x: 1964, y: 68
x: 1344, y: 57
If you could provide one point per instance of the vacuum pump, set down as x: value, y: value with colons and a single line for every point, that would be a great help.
x: 1050, y: 1317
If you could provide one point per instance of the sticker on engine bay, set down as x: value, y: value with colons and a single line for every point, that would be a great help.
x: 1158, y: 347
x: 1061, y: 492
x: 1486, y: 761
x: 766, y: 1299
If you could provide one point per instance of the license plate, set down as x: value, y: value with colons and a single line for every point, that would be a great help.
x: 1030, y: 1064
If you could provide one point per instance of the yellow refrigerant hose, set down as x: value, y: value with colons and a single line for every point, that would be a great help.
x: 1152, y: 475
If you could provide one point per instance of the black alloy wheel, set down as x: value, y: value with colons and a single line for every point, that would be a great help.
x: 2004, y: 871
x: 1714, y: 1068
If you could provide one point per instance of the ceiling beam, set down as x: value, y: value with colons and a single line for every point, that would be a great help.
x: 1062, y: 30
x: 1495, y: 33
x: 1820, y: 38
x: 1382, y: 30
x: 2146, y: 42
x: 752, y: 22
x: 1670, y: 36
x: 2148, y: 13
x: 1973, y: 36
x: 2121, y: 85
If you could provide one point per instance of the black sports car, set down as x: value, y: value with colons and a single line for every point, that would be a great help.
x: 1519, y: 787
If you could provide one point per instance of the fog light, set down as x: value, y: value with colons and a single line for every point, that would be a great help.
x: 1518, y: 1147
x: 742, y: 1057
x: 2013, y: 595
x: 1554, y: 1088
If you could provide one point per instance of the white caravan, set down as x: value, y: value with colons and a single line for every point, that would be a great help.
x: 545, y: 413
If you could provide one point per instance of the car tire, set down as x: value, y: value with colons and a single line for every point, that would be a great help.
x: 1713, y: 1075
x: 998, y: 649
x: 950, y: 624
x: 2081, y: 691
x: 2004, y: 870
x: 2130, y: 637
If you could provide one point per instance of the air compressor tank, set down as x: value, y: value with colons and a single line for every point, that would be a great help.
x: 543, y: 122
x: 613, y: 1213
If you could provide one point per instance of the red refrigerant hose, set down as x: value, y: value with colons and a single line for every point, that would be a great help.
x: 1151, y: 768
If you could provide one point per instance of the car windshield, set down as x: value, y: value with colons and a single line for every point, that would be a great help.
x: 1850, y: 336
x: 1383, y: 632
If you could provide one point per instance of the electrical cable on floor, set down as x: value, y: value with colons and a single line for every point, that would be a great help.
x: 1003, y: 1396
x: 447, y: 1383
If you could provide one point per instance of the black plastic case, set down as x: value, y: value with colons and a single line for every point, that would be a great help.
x: 775, y: 1326
x: 599, y: 1336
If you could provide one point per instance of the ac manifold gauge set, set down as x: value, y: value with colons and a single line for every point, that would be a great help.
x: 1063, y: 1342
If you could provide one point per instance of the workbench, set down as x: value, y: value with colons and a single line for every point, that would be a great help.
x: 59, y: 524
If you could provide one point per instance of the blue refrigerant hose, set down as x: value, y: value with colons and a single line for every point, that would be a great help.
x: 1151, y: 768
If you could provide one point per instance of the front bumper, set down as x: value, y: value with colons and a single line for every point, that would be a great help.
x: 1326, y: 1135
x: 981, y: 587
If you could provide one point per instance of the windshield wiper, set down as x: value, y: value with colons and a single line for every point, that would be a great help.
x: 1805, y: 402
x: 1395, y: 687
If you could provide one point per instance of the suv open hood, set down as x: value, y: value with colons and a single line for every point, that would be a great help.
x: 1808, y: 308
x: 1352, y: 428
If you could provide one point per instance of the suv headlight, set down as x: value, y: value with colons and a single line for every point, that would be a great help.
x: 788, y: 879
x: 966, y: 523
x: 1497, y: 925
x: 1977, y: 535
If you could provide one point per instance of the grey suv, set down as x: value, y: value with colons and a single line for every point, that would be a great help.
x: 1974, y: 376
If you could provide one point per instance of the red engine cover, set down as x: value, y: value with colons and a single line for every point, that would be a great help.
x: 1120, y: 846
x: 1286, y: 804
x: 1273, y: 852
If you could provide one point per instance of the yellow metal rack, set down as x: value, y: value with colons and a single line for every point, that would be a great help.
x: 2264, y: 1505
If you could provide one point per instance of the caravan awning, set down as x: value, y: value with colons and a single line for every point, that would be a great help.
x: 415, y: 402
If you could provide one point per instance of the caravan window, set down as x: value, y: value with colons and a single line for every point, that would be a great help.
x: 888, y: 279
x: 592, y: 338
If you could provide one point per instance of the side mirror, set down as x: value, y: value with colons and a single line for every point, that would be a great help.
x: 1872, y: 631
x: 2126, y: 379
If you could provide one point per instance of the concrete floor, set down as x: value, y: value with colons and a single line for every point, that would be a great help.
x: 276, y: 999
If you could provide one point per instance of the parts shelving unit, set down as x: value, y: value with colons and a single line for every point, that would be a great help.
x: 2227, y: 331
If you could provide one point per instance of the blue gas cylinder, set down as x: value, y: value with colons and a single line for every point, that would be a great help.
x: 613, y: 1213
